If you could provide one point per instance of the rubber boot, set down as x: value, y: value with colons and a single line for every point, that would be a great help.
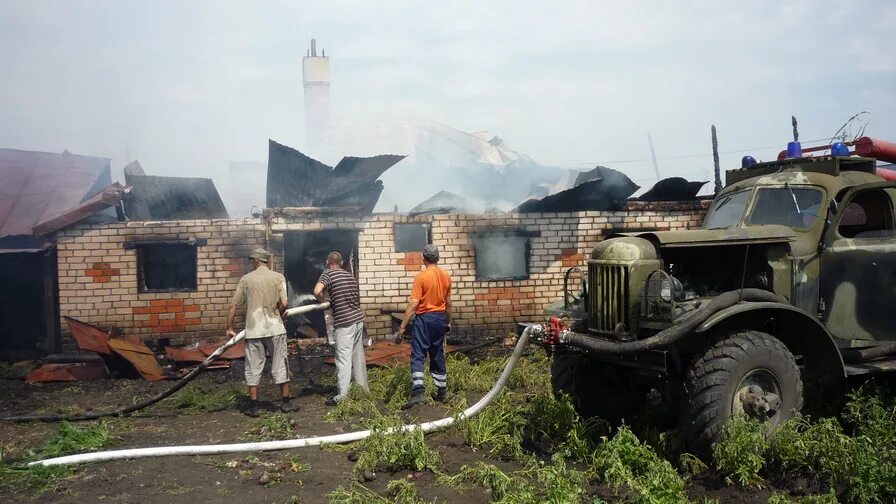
x: 417, y: 397
x: 441, y: 395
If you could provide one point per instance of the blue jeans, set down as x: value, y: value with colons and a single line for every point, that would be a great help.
x: 428, y: 336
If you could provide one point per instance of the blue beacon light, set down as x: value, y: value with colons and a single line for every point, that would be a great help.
x: 839, y: 149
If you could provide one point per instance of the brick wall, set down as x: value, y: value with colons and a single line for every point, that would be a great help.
x: 98, y: 275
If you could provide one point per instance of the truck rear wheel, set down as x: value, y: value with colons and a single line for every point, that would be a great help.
x: 596, y: 388
x: 749, y: 372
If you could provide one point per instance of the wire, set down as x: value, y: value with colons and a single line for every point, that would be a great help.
x: 691, y: 156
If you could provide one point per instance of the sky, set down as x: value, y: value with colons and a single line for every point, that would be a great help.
x: 187, y: 86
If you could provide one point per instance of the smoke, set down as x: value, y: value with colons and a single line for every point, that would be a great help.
x: 479, y: 167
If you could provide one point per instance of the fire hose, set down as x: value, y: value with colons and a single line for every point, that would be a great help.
x: 174, y: 388
x: 673, y: 333
x: 286, y: 444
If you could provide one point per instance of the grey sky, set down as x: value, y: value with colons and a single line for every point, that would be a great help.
x: 186, y: 86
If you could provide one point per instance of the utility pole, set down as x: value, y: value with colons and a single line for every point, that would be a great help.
x: 715, y: 160
x: 656, y: 168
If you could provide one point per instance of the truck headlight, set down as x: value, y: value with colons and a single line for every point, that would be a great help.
x: 671, y: 288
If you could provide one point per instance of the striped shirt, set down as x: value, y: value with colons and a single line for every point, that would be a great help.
x: 345, y: 301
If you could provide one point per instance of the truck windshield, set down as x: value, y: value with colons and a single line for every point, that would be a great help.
x: 795, y: 207
x: 728, y: 210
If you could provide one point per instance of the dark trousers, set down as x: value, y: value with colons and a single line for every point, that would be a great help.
x: 428, y: 336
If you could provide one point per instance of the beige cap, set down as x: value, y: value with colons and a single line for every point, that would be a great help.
x: 260, y: 254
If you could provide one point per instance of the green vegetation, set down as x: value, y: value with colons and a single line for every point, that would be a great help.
x: 393, y: 451
x: 400, y: 492
x: 855, y: 455
x: 69, y: 439
x: 193, y: 399
x: 270, y: 427
x: 624, y: 461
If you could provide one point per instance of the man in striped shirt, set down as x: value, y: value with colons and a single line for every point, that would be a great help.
x: 348, y: 322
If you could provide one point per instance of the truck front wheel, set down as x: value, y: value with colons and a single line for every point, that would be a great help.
x: 597, y: 389
x: 750, y: 373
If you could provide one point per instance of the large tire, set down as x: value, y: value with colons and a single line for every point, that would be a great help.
x: 597, y: 389
x: 745, y: 372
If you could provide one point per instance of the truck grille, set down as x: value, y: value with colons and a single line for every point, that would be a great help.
x: 608, y: 298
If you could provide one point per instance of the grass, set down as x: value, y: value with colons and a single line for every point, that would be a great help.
x: 740, y: 455
x: 394, y: 451
x: 69, y: 439
x: 856, y: 454
x: 623, y: 461
x: 193, y: 399
x: 500, y: 485
x: 270, y: 427
x: 400, y: 492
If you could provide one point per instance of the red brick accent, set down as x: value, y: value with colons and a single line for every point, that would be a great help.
x: 101, y: 272
x: 411, y: 261
x: 237, y: 267
x: 570, y: 257
x: 186, y: 316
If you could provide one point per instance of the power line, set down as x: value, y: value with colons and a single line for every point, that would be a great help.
x: 692, y: 156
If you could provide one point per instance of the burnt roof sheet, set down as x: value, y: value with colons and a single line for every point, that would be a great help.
x: 172, y: 198
x: 296, y: 180
x: 38, y: 186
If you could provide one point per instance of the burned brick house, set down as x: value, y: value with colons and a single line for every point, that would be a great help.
x: 41, y: 192
x: 174, y: 279
x: 160, y: 259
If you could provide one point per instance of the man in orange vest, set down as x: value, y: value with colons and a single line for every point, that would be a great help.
x: 430, y: 301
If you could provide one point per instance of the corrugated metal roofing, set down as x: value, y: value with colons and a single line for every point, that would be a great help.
x: 37, y: 186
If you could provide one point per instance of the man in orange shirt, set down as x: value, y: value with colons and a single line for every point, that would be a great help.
x: 430, y: 301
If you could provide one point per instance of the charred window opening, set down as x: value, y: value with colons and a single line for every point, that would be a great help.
x: 304, y: 259
x: 411, y: 237
x: 166, y: 267
x: 501, y: 255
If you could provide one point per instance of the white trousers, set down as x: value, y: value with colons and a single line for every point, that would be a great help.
x: 350, y: 360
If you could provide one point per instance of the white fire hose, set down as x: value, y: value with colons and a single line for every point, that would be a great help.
x: 286, y: 444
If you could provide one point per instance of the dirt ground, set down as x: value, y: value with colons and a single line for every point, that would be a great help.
x: 307, y: 473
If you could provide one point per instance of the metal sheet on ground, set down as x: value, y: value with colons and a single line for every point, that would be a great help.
x: 88, y: 337
x: 68, y: 372
x: 140, y: 356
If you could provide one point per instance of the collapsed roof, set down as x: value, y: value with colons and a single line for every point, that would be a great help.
x: 170, y: 198
x: 601, y: 188
x: 36, y: 187
x: 296, y: 180
x: 673, y: 189
x: 444, y: 202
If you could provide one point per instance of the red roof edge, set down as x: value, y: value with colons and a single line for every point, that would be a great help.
x: 108, y: 197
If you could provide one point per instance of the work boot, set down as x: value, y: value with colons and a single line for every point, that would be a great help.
x: 252, y: 409
x: 441, y: 395
x: 287, y: 406
x: 417, y: 397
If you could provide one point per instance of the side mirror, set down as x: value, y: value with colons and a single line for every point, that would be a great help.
x: 832, y: 211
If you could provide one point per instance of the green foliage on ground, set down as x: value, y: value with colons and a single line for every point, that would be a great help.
x: 193, y: 399
x: 855, y: 454
x: 389, y: 450
x: 270, y: 427
x: 624, y: 462
x: 69, y: 439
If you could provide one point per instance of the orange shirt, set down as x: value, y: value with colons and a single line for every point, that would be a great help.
x: 432, y: 287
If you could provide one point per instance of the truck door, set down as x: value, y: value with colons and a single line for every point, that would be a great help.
x: 858, y: 267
